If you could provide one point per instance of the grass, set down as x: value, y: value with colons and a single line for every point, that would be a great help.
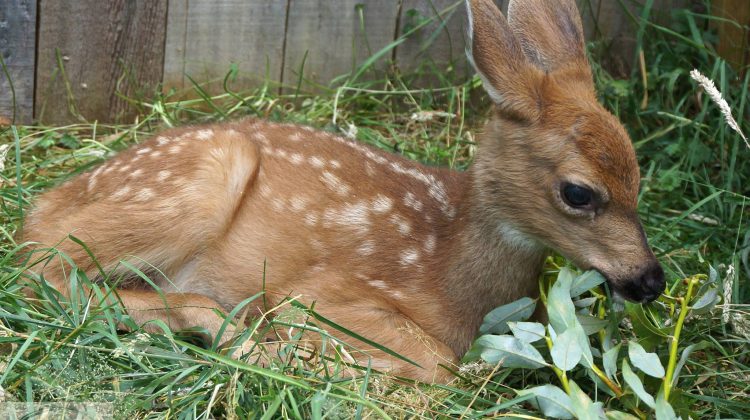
x: 694, y: 205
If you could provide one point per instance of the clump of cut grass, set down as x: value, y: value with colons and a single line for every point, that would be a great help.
x: 693, y: 203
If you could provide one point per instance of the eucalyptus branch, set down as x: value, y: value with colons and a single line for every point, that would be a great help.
x: 674, y: 345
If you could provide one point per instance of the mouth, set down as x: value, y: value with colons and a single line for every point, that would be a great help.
x: 634, y: 292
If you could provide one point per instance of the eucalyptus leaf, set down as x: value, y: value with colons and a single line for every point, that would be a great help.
x: 583, y: 407
x: 636, y: 385
x: 508, y: 351
x: 664, y: 411
x: 551, y: 401
x: 496, y: 322
x: 560, y: 308
x: 587, y: 358
x: 713, y: 275
x: 649, y: 335
x: 610, y: 361
x: 684, y: 357
x: 619, y: 415
x: 586, y: 282
x: 566, y: 352
x: 591, y: 324
x: 706, y: 301
x: 585, y: 302
x: 648, y: 363
x: 527, y: 332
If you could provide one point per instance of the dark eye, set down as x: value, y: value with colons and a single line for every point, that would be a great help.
x: 576, y: 195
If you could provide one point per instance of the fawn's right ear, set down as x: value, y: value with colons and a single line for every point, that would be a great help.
x: 511, y: 81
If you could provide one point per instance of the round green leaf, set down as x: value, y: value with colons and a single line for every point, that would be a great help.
x: 527, y: 332
x: 648, y: 363
x: 636, y: 385
x: 508, y: 351
x: 566, y: 352
x: 585, y: 282
x: 550, y: 400
x: 496, y: 322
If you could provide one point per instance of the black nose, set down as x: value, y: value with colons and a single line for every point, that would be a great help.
x: 652, y: 282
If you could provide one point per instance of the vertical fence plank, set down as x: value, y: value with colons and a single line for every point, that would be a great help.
x: 442, y: 42
x: 733, y: 36
x: 205, y: 37
x: 104, y: 47
x: 17, y: 39
x: 326, y: 39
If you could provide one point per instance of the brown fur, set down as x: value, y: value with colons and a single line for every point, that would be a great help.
x: 409, y: 256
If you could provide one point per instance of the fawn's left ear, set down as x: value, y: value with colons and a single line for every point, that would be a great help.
x: 508, y: 77
x: 550, y: 33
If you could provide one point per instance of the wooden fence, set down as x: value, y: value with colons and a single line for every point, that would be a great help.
x: 70, y: 60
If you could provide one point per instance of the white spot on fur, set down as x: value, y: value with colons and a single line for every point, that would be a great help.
x: 143, y: 151
x: 204, y: 134
x: 311, y: 219
x: 281, y: 153
x: 316, y: 162
x: 430, y: 243
x: 155, y: 154
x: 396, y: 294
x: 175, y: 149
x: 382, y: 204
x: 403, y: 225
x: 265, y: 191
x: 366, y: 248
x: 163, y: 175
x: 278, y: 204
x: 378, y: 284
x: 411, y: 201
x: 354, y: 216
x: 298, y: 204
x: 124, y: 168
x: 334, y: 163
x: 409, y: 257
x: 161, y: 140
x: 136, y: 173
x: 335, y: 183
x: 369, y: 169
x: 144, y: 194
x: 295, y: 137
x: 261, y: 138
x: 121, y: 193
x: 296, y: 158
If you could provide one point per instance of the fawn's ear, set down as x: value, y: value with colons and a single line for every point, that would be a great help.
x: 508, y: 77
x: 550, y: 33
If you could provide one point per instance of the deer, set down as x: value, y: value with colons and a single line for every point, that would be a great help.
x: 407, y: 255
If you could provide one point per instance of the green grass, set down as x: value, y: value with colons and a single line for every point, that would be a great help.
x: 694, y: 205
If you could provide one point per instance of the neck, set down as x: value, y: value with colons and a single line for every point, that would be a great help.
x: 486, y: 263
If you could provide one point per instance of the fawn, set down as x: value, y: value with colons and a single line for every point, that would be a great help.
x: 409, y: 256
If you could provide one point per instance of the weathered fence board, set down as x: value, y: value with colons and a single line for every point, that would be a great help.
x: 441, y: 42
x: 204, y: 37
x: 734, y: 36
x: 89, y: 53
x: 104, y: 47
x: 327, y: 38
x: 17, y: 39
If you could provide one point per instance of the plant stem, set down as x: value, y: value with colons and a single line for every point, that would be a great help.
x: 613, y: 386
x: 684, y: 309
